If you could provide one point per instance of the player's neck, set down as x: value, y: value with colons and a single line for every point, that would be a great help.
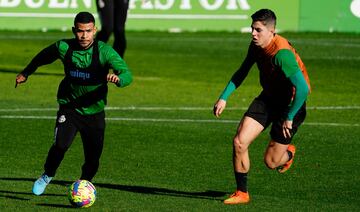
x: 90, y: 44
x: 266, y: 44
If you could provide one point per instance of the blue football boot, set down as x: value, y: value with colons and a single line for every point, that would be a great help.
x: 40, y: 184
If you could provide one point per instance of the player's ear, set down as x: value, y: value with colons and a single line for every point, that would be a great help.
x: 272, y: 29
x: 73, y: 30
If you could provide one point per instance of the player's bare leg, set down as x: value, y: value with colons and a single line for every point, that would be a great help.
x: 248, y: 130
x: 276, y: 154
x: 279, y: 156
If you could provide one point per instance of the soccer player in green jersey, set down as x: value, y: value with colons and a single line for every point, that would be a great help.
x: 281, y: 103
x: 81, y: 94
x: 112, y: 15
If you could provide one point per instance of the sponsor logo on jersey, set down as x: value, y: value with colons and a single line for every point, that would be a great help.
x: 79, y: 74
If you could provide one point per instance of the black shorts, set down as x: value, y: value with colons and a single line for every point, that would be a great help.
x: 69, y: 122
x: 266, y: 113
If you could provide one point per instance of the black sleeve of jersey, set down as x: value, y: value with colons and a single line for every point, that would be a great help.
x: 242, y: 72
x: 46, y: 56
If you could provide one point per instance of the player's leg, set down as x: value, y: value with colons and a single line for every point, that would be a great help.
x: 65, y: 131
x: 105, y: 10
x: 120, y: 15
x: 280, y: 153
x: 254, y: 122
x: 93, y: 139
x: 247, y: 131
x: 276, y: 154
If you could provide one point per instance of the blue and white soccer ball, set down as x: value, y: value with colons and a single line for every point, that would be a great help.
x: 82, y: 194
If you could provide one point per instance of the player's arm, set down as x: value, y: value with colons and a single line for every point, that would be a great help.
x: 44, y: 57
x: 287, y: 61
x: 122, y: 75
x: 301, y: 93
x: 237, y: 78
x: 233, y: 84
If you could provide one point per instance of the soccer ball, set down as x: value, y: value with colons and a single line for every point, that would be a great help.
x: 82, y: 194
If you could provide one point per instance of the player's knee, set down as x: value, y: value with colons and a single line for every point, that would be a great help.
x: 239, y: 144
x: 270, y: 163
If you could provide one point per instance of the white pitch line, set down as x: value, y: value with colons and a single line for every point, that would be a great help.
x: 186, y: 16
x: 131, y: 16
x: 39, y: 15
x: 27, y: 109
x: 354, y: 107
x: 169, y: 108
x: 134, y: 108
x: 332, y: 58
x: 27, y: 117
x: 314, y: 42
x: 172, y: 120
x: 177, y: 120
x: 331, y: 124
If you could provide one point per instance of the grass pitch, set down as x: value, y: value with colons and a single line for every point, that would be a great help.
x: 164, y: 150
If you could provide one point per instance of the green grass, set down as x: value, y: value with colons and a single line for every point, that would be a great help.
x: 170, y: 153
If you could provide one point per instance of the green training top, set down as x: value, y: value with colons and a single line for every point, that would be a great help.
x: 84, y: 87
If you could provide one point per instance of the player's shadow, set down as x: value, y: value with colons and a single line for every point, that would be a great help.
x: 209, y: 194
x: 163, y: 191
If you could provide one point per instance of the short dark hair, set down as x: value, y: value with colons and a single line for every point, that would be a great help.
x: 84, y: 17
x: 266, y: 16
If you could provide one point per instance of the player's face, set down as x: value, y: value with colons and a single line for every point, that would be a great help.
x: 84, y: 34
x: 261, y: 34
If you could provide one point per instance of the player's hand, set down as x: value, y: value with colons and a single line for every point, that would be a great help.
x: 287, y: 126
x: 20, y: 79
x: 113, y: 78
x: 219, y: 107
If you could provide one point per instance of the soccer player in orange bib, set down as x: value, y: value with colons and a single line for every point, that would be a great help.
x: 281, y: 103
